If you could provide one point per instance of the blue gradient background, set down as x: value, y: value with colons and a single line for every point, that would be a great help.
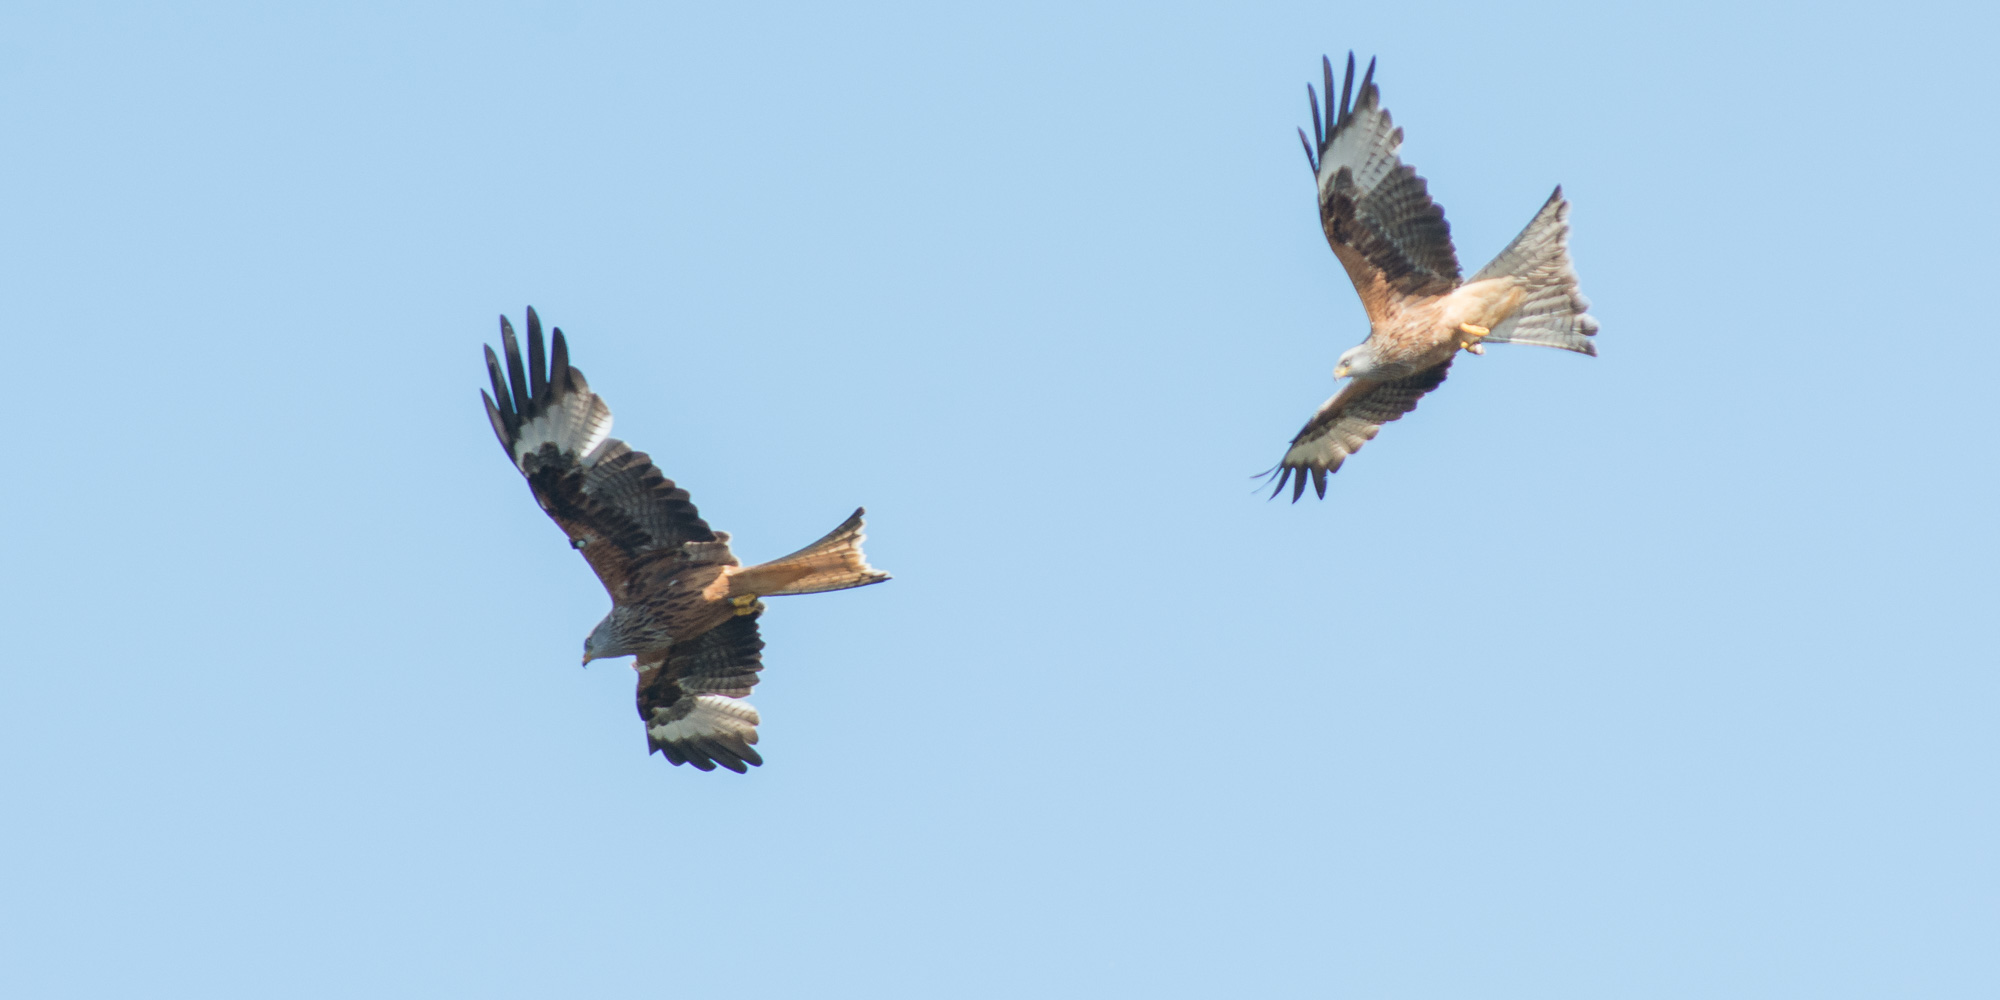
x: 1663, y: 675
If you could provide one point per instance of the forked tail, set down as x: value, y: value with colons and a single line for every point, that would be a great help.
x: 832, y: 563
x: 1552, y: 310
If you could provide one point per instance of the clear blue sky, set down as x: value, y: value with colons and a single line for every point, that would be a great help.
x: 1666, y: 674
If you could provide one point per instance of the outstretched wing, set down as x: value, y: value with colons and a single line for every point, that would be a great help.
x: 1348, y: 421
x: 612, y: 502
x: 691, y: 698
x: 1377, y: 213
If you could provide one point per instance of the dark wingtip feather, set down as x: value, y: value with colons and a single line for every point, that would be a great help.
x: 517, y: 375
x: 720, y: 753
x: 559, y: 360
x: 499, y: 425
x: 1319, y: 482
x: 1334, y: 116
x: 1298, y: 485
x: 1346, y: 89
x: 1311, y: 160
x: 1272, y: 473
x: 538, y: 381
x: 1312, y: 99
x: 1368, y: 80
x: 499, y: 385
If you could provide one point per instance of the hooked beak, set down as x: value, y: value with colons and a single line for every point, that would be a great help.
x: 1340, y: 372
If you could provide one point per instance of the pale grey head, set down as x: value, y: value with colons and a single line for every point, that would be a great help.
x: 612, y: 636
x: 1359, y: 361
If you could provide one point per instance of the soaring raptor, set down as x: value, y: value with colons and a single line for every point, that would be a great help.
x: 1394, y: 243
x: 680, y: 601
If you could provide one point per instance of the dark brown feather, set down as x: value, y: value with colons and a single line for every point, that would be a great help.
x: 516, y: 376
x: 1319, y: 136
x: 538, y: 380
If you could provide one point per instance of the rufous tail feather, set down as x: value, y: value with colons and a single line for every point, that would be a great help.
x: 832, y: 563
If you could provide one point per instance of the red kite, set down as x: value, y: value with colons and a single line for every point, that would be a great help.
x: 1394, y: 243
x: 680, y: 602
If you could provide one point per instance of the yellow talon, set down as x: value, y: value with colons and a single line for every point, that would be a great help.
x: 745, y: 605
x: 1473, y: 332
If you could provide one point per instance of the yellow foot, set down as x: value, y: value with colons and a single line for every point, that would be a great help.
x: 1472, y: 334
x: 745, y: 605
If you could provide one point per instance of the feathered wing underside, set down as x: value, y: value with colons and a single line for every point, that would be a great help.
x: 1346, y: 422
x: 835, y: 562
x: 690, y: 699
x: 1377, y: 213
x: 1553, y: 311
x: 612, y: 502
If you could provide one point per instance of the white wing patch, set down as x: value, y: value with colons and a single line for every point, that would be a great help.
x: 1366, y: 146
x: 576, y: 423
x: 710, y: 716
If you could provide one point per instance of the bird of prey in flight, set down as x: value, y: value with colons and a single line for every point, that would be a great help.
x: 680, y: 602
x: 1394, y: 243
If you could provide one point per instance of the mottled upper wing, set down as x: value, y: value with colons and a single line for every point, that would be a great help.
x: 690, y: 698
x: 1377, y: 213
x: 1348, y: 421
x: 611, y: 501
